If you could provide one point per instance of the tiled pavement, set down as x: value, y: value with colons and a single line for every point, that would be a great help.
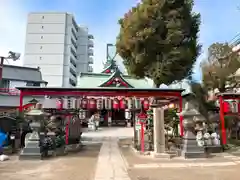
x: 110, y: 164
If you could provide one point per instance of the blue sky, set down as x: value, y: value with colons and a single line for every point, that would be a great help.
x: 220, y: 22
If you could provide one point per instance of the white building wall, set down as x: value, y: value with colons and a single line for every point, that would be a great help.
x: 85, y: 44
x: 51, y: 44
x: 14, y: 84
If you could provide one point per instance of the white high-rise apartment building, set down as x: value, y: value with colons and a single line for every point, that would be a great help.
x: 59, y: 47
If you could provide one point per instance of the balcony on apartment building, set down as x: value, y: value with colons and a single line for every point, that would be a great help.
x: 90, y: 36
x: 90, y: 43
x: 90, y: 60
x: 90, y: 69
x: 90, y: 52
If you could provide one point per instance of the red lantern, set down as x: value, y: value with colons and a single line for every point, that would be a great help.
x: 92, y: 104
x: 145, y: 104
x: 59, y: 104
x: 226, y: 107
x: 123, y: 104
x: 84, y: 103
x: 115, y: 104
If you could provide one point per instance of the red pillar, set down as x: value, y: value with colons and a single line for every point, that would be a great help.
x: 224, y: 136
x: 67, y: 128
x: 181, y: 117
x: 142, y: 137
x: 21, y: 101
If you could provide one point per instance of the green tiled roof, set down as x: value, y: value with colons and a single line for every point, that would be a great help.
x: 91, y: 80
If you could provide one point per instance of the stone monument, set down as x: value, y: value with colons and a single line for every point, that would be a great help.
x: 190, y: 147
x: 32, y: 148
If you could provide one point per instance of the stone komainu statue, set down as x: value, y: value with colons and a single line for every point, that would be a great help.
x: 54, y: 125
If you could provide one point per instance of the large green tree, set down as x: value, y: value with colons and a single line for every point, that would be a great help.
x: 158, y: 39
x: 219, y: 67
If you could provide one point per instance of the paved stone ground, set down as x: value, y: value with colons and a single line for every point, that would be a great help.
x: 102, y: 133
x: 114, y: 163
x: 110, y: 163
x: 74, y: 166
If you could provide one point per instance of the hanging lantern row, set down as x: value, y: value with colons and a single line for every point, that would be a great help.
x: 100, y: 103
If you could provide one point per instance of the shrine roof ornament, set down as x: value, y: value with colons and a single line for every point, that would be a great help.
x: 116, y: 80
x: 92, y: 80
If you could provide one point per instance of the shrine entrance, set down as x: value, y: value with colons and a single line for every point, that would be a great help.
x: 118, y: 117
x: 115, y: 105
x: 229, y: 104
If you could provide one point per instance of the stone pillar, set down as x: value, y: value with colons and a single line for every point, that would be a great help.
x: 159, y: 133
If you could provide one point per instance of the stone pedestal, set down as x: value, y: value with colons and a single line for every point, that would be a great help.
x: 190, y: 148
x: 32, y: 148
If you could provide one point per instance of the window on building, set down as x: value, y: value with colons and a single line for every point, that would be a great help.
x: 40, y: 58
x: 40, y: 47
x: 5, y: 85
x: 42, y: 27
x: 42, y: 17
x: 33, y: 84
x: 41, y: 37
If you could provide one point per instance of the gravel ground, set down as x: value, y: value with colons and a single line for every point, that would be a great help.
x: 74, y: 166
x: 176, y: 173
x: 210, y: 173
x: 133, y: 158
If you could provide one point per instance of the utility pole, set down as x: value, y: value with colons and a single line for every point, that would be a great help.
x: 1, y: 70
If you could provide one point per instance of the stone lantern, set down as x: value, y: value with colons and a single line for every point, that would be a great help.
x: 199, y: 121
x: 190, y: 149
x: 32, y: 140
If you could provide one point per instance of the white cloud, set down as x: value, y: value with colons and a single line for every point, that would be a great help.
x: 12, y: 28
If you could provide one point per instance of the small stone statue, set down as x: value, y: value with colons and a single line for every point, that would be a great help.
x: 200, y: 139
x: 215, y: 139
x: 53, y: 125
x: 207, y: 138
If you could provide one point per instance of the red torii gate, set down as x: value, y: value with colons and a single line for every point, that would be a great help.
x: 169, y: 94
x: 222, y: 97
